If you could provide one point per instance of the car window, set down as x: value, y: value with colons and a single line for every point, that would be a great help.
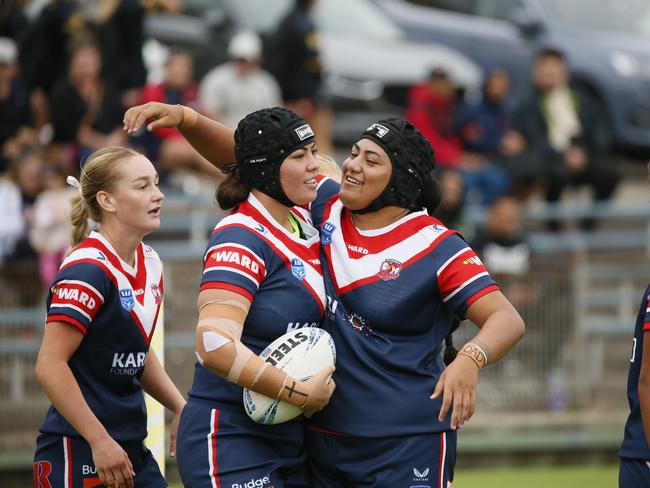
x: 624, y: 16
x: 351, y: 18
x: 462, y: 6
x: 498, y: 9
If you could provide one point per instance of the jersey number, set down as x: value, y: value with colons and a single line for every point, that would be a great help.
x: 633, y: 350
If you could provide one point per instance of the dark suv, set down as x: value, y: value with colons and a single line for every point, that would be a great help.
x: 607, y: 44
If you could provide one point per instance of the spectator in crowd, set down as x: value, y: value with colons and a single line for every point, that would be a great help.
x: 51, y: 229
x: 233, y: 90
x: 488, y: 140
x: 16, y: 118
x: 86, y: 110
x: 295, y: 62
x: 12, y: 223
x: 564, y: 131
x: 169, y: 148
x: 431, y: 107
x: 12, y: 18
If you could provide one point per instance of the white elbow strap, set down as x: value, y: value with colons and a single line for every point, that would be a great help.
x: 213, y: 340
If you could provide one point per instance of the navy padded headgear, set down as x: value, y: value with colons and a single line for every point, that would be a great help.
x: 263, y: 140
x: 412, y: 159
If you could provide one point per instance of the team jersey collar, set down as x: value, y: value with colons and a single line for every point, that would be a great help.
x: 307, y: 230
x: 132, y: 270
x: 382, y: 230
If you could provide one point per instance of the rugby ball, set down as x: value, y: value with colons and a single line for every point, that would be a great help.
x: 300, y: 353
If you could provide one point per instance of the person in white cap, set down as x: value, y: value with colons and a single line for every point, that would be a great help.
x: 239, y: 86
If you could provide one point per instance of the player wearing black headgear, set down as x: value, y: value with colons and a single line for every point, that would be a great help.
x: 263, y: 140
x: 411, y: 157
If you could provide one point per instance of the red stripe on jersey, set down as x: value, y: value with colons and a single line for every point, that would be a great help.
x: 136, y: 319
x: 236, y: 258
x: 463, y: 268
x: 214, y: 428
x: 218, y: 285
x: 78, y: 295
x: 287, y: 262
x: 68, y: 320
x: 646, y: 326
x: 359, y: 245
x: 485, y: 291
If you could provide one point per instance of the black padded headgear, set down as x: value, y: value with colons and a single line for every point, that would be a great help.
x: 263, y: 140
x: 411, y: 157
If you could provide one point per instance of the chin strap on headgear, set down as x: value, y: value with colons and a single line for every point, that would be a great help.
x: 411, y: 157
x: 263, y: 140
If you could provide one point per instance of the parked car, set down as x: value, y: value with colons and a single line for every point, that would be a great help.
x: 368, y: 61
x: 606, y: 42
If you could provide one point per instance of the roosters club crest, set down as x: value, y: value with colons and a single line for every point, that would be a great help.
x: 389, y: 269
x: 157, y: 293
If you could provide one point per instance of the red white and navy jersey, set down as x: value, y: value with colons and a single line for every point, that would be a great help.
x: 249, y: 253
x: 392, y: 294
x: 635, y: 444
x: 116, y: 308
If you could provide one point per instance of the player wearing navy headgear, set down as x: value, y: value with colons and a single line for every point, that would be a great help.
x: 261, y: 278
x: 395, y: 277
x: 95, y: 362
x: 635, y: 453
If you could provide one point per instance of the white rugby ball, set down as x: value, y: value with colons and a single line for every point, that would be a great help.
x: 300, y: 353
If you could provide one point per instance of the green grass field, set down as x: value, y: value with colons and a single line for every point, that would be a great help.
x: 555, y: 477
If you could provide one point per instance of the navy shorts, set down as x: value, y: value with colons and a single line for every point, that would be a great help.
x: 422, y: 461
x: 224, y: 448
x: 634, y: 473
x: 67, y: 462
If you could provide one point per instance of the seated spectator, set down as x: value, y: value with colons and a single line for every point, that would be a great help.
x: 170, y: 149
x: 502, y: 246
x: 51, y: 229
x: 565, y: 133
x: 233, y: 90
x: 487, y: 135
x: 16, y: 119
x: 86, y: 112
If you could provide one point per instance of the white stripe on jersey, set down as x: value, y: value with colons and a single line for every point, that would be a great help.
x: 232, y: 270
x: 313, y: 278
x: 233, y: 244
x: 73, y: 307
x: 451, y: 259
x: 82, y: 283
x: 348, y: 271
x: 443, y: 440
x: 66, y: 463
x: 471, y: 280
x: 212, y: 449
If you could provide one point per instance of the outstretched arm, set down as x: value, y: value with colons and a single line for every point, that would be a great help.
x: 214, y: 141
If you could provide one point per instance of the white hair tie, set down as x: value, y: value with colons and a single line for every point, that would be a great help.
x: 74, y: 182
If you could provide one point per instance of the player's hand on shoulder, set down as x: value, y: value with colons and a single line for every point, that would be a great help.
x: 159, y: 114
x: 112, y: 463
x: 457, y: 385
x: 321, y: 386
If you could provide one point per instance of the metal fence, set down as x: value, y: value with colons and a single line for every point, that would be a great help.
x: 566, y: 362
